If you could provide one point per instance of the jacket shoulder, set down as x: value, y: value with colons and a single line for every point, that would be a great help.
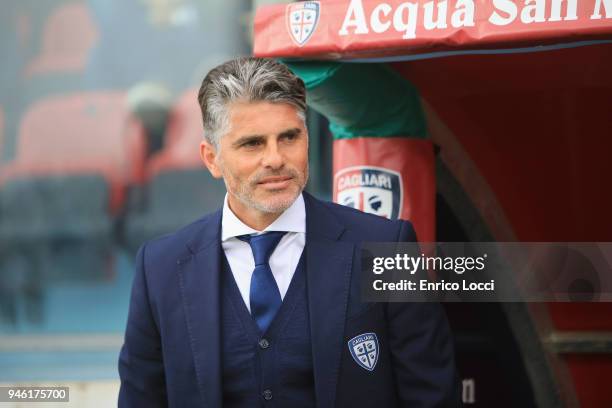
x: 174, y: 246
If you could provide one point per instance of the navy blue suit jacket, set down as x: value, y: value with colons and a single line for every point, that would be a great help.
x: 171, y: 355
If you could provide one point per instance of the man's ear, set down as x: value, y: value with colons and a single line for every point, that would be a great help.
x: 208, y: 154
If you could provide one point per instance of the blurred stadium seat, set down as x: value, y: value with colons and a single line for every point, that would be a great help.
x: 179, y: 189
x: 68, y: 36
x: 183, y: 137
x: 76, y: 156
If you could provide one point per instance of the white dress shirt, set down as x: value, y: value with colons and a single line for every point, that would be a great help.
x: 283, y: 260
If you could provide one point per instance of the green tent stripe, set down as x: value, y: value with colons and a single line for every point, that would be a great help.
x: 362, y: 99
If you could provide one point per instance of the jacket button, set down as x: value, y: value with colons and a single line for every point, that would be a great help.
x: 264, y: 344
x: 267, y: 394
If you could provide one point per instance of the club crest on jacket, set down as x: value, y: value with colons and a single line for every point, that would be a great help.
x: 364, y: 349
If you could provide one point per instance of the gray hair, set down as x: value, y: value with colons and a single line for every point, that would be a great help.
x: 246, y: 79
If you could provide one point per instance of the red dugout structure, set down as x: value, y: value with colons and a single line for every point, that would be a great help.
x: 496, y: 118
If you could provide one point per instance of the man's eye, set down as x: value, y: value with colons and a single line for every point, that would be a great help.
x: 290, y: 136
x: 252, y: 143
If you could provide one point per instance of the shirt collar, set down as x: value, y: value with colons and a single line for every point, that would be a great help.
x: 293, y: 219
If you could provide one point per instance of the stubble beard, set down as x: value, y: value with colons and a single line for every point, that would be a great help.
x: 244, y: 190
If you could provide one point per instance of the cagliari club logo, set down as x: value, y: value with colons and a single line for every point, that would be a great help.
x: 364, y: 350
x: 302, y: 19
x: 374, y: 190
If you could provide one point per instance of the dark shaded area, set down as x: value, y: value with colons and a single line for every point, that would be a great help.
x: 484, y: 343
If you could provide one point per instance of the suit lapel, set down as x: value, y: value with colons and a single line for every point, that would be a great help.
x: 328, y: 268
x: 200, y: 283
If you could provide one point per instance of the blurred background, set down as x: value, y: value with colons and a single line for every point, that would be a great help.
x: 99, y: 136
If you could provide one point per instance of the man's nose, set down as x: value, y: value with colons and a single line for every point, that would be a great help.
x: 273, y: 157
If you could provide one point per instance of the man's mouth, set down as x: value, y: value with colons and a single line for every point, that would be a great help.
x: 275, y: 182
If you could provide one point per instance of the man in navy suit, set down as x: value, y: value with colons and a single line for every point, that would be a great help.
x: 258, y: 304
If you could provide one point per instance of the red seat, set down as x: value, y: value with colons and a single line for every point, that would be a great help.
x: 69, y: 35
x: 63, y: 193
x: 88, y: 133
x: 183, y: 137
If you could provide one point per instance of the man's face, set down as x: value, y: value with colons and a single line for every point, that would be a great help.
x: 263, y: 159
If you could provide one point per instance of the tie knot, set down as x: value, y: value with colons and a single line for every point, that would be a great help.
x: 263, y: 245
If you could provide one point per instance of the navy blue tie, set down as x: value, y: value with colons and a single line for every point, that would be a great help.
x: 264, y: 296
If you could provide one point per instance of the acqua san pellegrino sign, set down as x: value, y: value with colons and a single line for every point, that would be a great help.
x: 357, y: 28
